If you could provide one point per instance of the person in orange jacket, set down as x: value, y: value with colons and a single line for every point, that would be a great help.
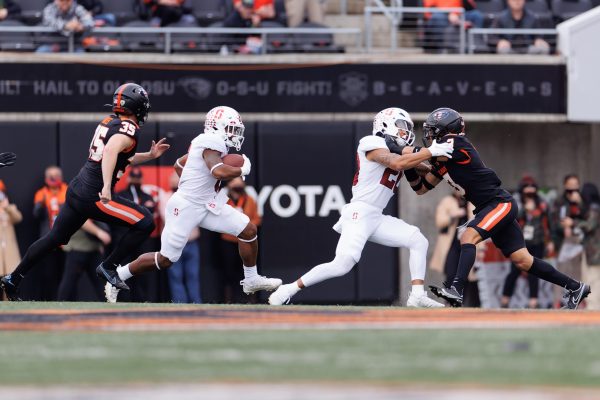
x: 230, y: 261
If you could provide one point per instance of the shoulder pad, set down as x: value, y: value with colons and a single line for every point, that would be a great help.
x: 210, y: 141
x: 371, y: 142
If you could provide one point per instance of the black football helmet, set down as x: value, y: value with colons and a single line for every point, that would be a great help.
x: 131, y: 98
x: 441, y: 122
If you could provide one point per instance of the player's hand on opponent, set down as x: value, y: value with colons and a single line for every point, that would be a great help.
x: 105, y: 195
x: 246, y: 167
x: 444, y: 149
x: 7, y: 159
x: 158, y: 149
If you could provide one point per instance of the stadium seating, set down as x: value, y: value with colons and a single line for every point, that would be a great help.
x: 142, y: 42
x: 209, y: 11
x: 15, y: 41
x: 31, y: 11
x: 316, y: 42
x: 565, y: 9
x: 186, y: 42
x: 123, y: 10
x: 489, y: 8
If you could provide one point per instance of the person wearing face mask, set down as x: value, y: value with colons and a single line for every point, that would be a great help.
x: 184, y: 274
x: 230, y: 267
x: 535, y: 222
x: 47, y: 203
x: 9, y: 248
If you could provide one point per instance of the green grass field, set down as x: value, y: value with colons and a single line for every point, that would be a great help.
x: 555, y: 357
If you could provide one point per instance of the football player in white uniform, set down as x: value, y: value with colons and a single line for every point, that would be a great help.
x: 377, y: 177
x: 199, y: 201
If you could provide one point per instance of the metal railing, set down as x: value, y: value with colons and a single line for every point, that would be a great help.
x: 168, y: 33
x: 396, y: 16
x: 549, y: 35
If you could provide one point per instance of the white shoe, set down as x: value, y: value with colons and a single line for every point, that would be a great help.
x: 111, y: 293
x: 259, y: 282
x: 280, y: 297
x: 422, y: 301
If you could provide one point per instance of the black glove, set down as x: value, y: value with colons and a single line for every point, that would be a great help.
x: 7, y: 159
x: 393, y: 146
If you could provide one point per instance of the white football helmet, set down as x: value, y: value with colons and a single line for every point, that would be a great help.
x: 227, y: 122
x: 397, y: 123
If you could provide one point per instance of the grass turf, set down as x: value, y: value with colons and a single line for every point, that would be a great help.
x: 561, y: 357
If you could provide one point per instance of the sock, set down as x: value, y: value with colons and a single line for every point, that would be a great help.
x: 417, y: 290
x: 465, y: 263
x: 124, y: 272
x: 250, y: 272
x: 547, y: 272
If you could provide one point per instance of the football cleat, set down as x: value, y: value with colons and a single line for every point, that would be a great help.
x: 450, y: 294
x: 422, y: 301
x: 9, y: 288
x: 259, y: 282
x: 111, y: 293
x: 574, y: 297
x: 111, y: 276
x: 280, y: 297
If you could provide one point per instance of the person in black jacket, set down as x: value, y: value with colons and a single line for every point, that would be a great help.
x: 516, y: 16
x: 96, y: 8
x: 9, y: 9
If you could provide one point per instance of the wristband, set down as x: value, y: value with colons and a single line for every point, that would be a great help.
x: 215, y: 167
x: 427, y: 185
x: 411, y: 174
x: 181, y: 166
x: 416, y: 149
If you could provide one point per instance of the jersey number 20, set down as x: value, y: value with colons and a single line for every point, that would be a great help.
x: 390, y: 179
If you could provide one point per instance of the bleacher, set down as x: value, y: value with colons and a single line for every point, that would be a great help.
x: 350, y: 26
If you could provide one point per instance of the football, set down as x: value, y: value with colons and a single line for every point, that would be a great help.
x: 233, y: 160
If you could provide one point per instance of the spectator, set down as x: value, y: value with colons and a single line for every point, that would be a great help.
x: 568, y: 236
x: 83, y: 254
x: 591, y: 243
x: 230, y: 267
x: 534, y: 220
x: 96, y: 8
x: 518, y: 17
x: 165, y: 12
x: 297, y: 9
x: 9, y: 9
x: 438, y: 22
x: 184, y: 275
x: 143, y: 287
x: 47, y: 203
x: 9, y: 216
x: 250, y: 13
x: 452, y: 212
x: 66, y: 17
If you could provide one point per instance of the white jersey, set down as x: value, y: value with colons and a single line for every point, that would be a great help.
x: 197, y: 184
x: 373, y: 184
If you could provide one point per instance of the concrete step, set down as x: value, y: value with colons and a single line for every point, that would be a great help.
x: 381, y: 31
x: 353, y: 6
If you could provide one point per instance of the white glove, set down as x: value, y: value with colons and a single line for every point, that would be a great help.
x: 246, y: 166
x: 442, y: 149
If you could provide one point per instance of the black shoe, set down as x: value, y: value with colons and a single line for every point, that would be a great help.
x: 450, y: 294
x: 574, y: 297
x: 11, y: 290
x: 111, y: 277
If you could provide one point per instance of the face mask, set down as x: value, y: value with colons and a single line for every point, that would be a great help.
x: 54, y: 182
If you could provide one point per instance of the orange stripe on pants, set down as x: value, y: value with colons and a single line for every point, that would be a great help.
x: 495, y: 216
x: 121, y: 212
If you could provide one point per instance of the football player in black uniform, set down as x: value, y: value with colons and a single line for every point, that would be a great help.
x: 90, y: 194
x: 495, y: 210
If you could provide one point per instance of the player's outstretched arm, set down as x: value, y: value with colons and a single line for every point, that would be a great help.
x: 115, y: 145
x: 156, y: 150
x: 398, y: 162
x: 223, y: 172
x: 422, y: 181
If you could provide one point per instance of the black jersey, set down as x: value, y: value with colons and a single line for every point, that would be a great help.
x: 469, y: 174
x: 88, y: 183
